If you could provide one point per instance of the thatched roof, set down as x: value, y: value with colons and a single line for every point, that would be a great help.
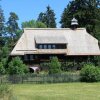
x: 78, y: 41
x: 55, y: 39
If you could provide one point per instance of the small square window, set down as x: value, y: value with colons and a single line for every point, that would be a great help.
x: 40, y: 46
x: 53, y: 46
x: 45, y: 46
x: 49, y: 46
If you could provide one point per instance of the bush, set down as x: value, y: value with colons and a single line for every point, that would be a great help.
x: 44, y: 66
x: 2, y: 69
x: 90, y: 73
x: 54, y: 66
x: 16, y: 66
x: 5, y: 92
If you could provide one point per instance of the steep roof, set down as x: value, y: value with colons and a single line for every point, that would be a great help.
x: 78, y: 41
x: 55, y: 39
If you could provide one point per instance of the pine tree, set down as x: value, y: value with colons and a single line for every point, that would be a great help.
x: 54, y: 66
x: 42, y: 18
x: 12, y: 25
x: 2, y: 27
x: 48, y: 18
x: 87, y: 13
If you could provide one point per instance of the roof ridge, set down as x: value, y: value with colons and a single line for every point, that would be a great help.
x: 53, y: 29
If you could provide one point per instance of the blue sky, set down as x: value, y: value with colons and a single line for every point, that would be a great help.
x: 30, y: 9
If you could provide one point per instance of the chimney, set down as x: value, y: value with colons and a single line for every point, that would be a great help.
x: 74, y: 23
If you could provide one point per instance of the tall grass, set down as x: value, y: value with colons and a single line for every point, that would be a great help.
x: 42, y: 78
x: 5, y: 92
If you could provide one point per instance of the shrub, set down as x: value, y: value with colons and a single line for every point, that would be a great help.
x: 16, y: 66
x: 54, y: 66
x: 90, y: 73
x: 2, y: 69
x: 5, y: 92
x: 44, y: 66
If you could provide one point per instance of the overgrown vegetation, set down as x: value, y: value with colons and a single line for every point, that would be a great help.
x: 54, y: 66
x: 90, y: 73
x: 5, y: 92
x: 16, y: 66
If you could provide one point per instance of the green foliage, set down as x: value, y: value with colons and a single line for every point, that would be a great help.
x: 16, y: 66
x: 4, y: 52
x: 2, y: 27
x: 2, y: 69
x: 48, y: 18
x: 54, y: 66
x: 86, y: 11
x: 44, y: 66
x: 33, y: 24
x: 68, y: 66
x: 90, y: 73
x: 12, y: 25
x: 5, y: 92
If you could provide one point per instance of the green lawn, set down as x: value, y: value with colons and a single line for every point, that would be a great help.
x: 66, y: 91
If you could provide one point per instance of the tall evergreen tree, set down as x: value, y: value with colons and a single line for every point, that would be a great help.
x: 2, y: 27
x: 12, y: 25
x: 42, y: 17
x: 12, y: 30
x: 48, y: 18
x: 86, y: 11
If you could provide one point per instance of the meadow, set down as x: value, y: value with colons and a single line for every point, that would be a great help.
x: 61, y: 91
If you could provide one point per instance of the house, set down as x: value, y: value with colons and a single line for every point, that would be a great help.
x: 39, y: 44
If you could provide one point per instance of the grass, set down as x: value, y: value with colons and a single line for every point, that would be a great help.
x: 65, y: 91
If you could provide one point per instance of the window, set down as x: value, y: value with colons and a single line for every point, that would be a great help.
x: 45, y: 46
x: 53, y: 46
x: 40, y: 46
x: 49, y: 46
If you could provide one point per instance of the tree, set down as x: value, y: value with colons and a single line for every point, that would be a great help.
x: 42, y: 18
x: 16, y: 66
x: 87, y: 13
x: 12, y: 25
x: 2, y: 27
x: 2, y: 69
x: 90, y: 73
x: 5, y: 51
x: 54, y: 66
x: 33, y: 24
x: 48, y: 18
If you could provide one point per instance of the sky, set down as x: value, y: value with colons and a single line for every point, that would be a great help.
x: 30, y: 9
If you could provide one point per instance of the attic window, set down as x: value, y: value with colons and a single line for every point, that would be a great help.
x: 51, y: 46
x: 40, y: 46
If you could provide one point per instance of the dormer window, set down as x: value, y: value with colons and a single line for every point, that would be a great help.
x: 51, y: 42
x: 40, y: 46
x: 51, y: 46
x: 45, y: 46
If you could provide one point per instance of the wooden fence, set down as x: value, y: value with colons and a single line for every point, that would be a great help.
x: 34, y: 78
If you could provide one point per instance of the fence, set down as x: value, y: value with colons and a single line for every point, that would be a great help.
x: 34, y: 78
